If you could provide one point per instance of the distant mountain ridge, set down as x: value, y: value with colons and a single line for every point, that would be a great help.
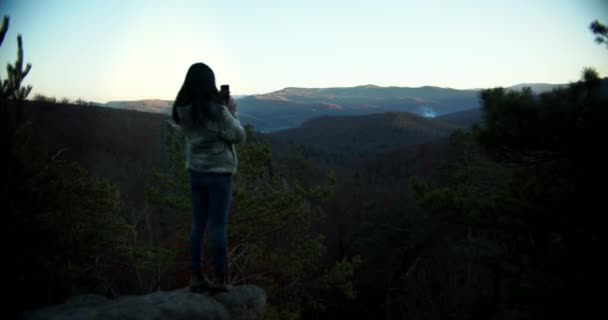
x: 292, y: 106
x: 147, y: 105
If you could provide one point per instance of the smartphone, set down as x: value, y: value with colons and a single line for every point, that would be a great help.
x: 225, y: 92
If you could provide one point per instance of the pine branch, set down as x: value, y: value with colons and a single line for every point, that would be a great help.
x: 11, y: 88
x: 3, y: 29
x: 600, y: 31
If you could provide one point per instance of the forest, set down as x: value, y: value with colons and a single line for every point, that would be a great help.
x: 498, y: 220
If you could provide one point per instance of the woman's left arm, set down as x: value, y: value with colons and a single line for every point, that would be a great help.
x: 232, y: 129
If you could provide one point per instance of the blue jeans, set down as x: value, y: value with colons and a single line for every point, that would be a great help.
x: 211, y: 194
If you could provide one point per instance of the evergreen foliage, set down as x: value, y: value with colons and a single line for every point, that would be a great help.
x: 11, y: 87
x: 600, y: 31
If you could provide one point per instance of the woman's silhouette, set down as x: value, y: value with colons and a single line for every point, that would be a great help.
x: 211, y: 128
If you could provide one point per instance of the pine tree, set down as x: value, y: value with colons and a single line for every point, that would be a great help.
x: 11, y: 88
x: 600, y: 31
x: 64, y: 227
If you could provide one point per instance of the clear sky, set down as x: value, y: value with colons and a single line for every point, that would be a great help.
x: 128, y: 50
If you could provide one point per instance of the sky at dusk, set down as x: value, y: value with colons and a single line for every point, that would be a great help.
x: 130, y: 49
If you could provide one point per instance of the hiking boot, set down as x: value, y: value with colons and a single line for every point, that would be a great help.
x: 222, y: 283
x: 199, y: 282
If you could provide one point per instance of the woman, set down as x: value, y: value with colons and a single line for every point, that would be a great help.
x: 211, y: 128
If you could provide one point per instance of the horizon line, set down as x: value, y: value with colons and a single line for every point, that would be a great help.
x: 313, y: 88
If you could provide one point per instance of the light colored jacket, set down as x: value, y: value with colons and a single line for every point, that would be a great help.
x: 210, y: 147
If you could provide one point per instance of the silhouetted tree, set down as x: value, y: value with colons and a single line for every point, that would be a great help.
x: 600, y: 31
x: 81, y: 102
x: 525, y: 205
x: 64, y: 227
x: 42, y: 98
x: 11, y: 88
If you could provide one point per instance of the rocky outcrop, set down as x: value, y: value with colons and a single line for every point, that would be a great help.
x: 242, y: 302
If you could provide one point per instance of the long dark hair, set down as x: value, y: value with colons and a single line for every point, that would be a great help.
x: 200, y: 91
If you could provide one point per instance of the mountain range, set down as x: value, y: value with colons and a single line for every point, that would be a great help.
x: 292, y: 106
x: 148, y: 105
